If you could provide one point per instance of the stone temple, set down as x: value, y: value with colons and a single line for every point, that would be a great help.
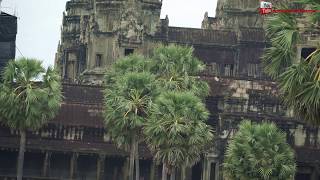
x: 95, y: 33
x: 8, y: 31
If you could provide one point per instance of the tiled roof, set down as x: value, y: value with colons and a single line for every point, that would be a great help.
x: 201, y: 36
x: 89, y: 95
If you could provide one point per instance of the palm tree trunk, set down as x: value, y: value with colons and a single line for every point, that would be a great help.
x: 164, y: 172
x: 21, y: 154
x: 131, y: 163
x: 173, y: 174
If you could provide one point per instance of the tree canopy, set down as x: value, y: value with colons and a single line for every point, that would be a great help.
x: 30, y: 95
x: 299, y: 78
x: 259, y: 151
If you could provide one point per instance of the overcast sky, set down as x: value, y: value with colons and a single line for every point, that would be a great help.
x: 40, y: 20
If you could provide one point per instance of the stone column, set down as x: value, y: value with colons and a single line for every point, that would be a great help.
x: 298, y: 55
x: 152, y: 170
x: 125, y: 168
x: 46, y: 164
x: 217, y: 170
x: 315, y: 172
x: 100, y: 167
x: 73, y: 165
x: 205, y: 169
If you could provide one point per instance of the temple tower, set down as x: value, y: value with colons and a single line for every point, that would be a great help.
x: 101, y: 31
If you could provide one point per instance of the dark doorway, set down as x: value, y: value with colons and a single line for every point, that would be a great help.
x: 128, y: 51
x: 87, y: 167
x: 196, y: 171
x: 145, y: 169
x: 33, y: 164
x: 60, y: 165
x: 8, y: 163
x: 302, y: 176
x: 113, y: 169
x: 213, y: 171
x: 98, y: 60
x: 305, y: 52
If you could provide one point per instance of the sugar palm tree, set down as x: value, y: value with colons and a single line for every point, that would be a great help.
x: 177, y: 69
x: 259, y: 151
x: 299, y: 79
x: 29, y: 96
x: 177, y: 133
x: 129, y: 92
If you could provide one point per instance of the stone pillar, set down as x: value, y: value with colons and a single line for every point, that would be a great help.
x: 217, y: 170
x: 152, y: 170
x: 46, y: 164
x: 315, y: 172
x: 206, y: 167
x: 100, y: 167
x: 298, y: 55
x: 187, y: 173
x: 125, y: 168
x: 73, y: 165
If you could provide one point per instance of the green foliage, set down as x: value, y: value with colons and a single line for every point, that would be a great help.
x: 26, y: 102
x: 175, y: 61
x: 301, y: 92
x: 162, y: 97
x: 282, y: 29
x: 177, y: 69
x: 177, y: 133
x: 315, y: 5
x: 132, y: 63
x: 298, y: 78
x: 128, y: 98
x: 259, y: 151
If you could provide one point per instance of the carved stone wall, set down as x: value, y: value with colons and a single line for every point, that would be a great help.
x: 8, y: 31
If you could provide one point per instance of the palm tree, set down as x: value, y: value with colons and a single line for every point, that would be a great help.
x: 177, y: 69
x: 299, y: 79
x: 259, y: 151
x: 29, y: 97
x: 177, y: 133
x: 129, y: 92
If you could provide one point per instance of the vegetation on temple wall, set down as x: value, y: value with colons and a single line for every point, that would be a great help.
x: 259, y: 151
x: 299, y: 78
x: 160, y: 101
x: 26, y: 102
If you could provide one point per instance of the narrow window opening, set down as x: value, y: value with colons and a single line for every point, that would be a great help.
x: 228, y: 69
x: 254, y: 70
x: 98, y: 60
x: 305, y: 52
x: 128, y: 52
x: 213, y: 171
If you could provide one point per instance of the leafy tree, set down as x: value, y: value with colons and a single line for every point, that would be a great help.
x: 129, y: 92
x: 26, y: 102
x: 299, y: 78
x: 177, y: 73
x: 259, y: 151
x: 177, y: 69
x: 174, y: 69
x: 177, y: 133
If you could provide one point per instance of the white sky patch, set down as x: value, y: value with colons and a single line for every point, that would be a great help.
x: 40, y: 21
